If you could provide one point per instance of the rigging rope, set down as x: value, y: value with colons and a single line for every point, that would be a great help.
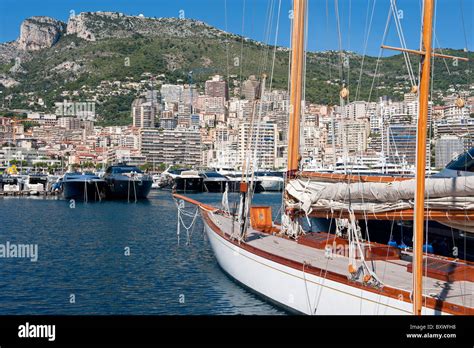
x: 275, y: 45
x: 387, y: 25
x: 85, y: 191
x: 182, y: 212
x: 339, y: 35
x: 366, y: 42
x: 98, y: 192
x: 401, y: 36
x: 227, y: 40
x: 242, y: 47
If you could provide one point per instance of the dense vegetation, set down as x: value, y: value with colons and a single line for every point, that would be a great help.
x: 127, y: 59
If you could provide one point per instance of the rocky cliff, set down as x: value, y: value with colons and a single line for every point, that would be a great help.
x: 39, y: 32
x: 94, y: 26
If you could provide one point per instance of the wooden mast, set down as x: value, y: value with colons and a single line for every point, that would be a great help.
x: 297, y: 57
x: 419, y: 217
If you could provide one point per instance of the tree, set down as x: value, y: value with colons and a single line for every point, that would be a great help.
x: 146, y: 167
x: 162, y: 167
x: 30, y: 124
x: 87, y: 164
x: 19, y: 163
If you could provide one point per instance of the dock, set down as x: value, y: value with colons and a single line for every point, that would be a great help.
x: 27, y: 193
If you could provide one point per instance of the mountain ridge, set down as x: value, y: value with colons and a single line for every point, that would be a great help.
x: 93, y: 47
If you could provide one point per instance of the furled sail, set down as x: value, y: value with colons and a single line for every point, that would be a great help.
x: 441, y: 194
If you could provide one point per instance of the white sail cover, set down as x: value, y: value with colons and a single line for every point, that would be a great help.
x: 440, y: 193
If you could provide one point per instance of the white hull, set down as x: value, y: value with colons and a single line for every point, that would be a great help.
x: 301, y: 292
x: 269, y: 184
x: 34, y: 188
x: 11, y: 188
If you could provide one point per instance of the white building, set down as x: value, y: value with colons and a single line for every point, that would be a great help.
x: 180, y: 146
x: 262, y: 139
x: 352, y: 136
x: 355, y: 110
x: 447, y: 147
x: 452, y: 112
x: 171, y: 93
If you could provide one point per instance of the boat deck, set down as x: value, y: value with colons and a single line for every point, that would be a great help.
x: 392, y: 273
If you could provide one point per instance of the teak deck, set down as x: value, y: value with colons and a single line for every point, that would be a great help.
x: 372, y: 251
x: 446, y: 270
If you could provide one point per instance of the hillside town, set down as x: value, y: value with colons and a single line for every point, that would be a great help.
x: 167, y: 159
x: 179, y: 125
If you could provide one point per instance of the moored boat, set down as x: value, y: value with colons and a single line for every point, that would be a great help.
x: 214, y: 182
x: 35, y: 183
x: 186, y: 180
x: 127, y: 182
x: 9, y: 183
x: 235, y: 179
x: 270, y: 181
x: 83, y: 186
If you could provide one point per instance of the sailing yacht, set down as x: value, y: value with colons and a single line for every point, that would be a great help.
x: 323, y: 273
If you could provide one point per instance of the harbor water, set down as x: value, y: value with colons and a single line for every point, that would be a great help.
x: 115, y: 257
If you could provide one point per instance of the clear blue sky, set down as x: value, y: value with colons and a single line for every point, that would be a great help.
x: 322, y: 28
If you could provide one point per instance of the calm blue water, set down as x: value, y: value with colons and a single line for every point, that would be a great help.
x: 81, y: 251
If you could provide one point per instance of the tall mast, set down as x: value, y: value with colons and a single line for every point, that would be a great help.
x: 297, y: 62
x: 426, y: 53
x: 419, y: 217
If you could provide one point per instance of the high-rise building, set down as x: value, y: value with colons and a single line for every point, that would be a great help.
x: 446, y: 148
x: 168, y: 120
x: 279, y: 100
x: 315, y: 139
x: 189, y: 96
x: 180, y: 146
x: 69, y: 123
x: 224, y: 151
x: 43, y: 119
x: 355, y: 110
x: 261, y: 138
x: 250, y: 88
x: 462, y: 128
x: 6, y: 130
x: 410, y: 97
x: 352, y: 136
x: 402, y: 144
x: 171, y: 93
x: 211, y: 104
x: 144, y: 113
x: 375, y: 119
x: 452, y: 112
x: 217, y: 87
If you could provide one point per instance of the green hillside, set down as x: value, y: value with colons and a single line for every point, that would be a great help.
x: 107, y: 59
